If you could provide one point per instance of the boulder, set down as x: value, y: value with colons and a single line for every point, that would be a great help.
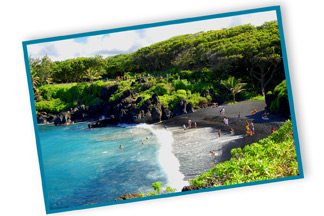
x: 156, y: 114
x: 166, y: 114
x: 139, y: 99
x: 63, y: 118
x: 79, y: 112
x: 107, y: 91
x: 191, y: 187
x: 111, y: 120
x: 180, y: 108
x: 128, y: 196
x: 189, y: 108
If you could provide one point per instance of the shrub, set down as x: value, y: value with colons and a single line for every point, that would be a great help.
x: 162, y: 89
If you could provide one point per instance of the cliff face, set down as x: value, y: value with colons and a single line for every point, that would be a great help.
x: 125, y: 109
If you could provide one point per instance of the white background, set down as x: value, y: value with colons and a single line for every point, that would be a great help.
x: 20, y: 188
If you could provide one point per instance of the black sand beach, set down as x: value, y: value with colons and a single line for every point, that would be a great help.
x: 192, y: 146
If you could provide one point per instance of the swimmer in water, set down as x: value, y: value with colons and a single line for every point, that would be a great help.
x: 121, y: 147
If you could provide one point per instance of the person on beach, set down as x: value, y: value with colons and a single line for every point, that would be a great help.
x: 223, y: 111
x: 121, y: 147
x: 247, y: 125
x: 219, y: 132
x: 248, y: 132
x: 232, y: 131
x: 165, y: 127
x: 252, y: 127
x: 195, y: 124
x: 272, y: 130
x: 239, y: 116
x: 220, y: 111
x: 213, y: 153
x: 184, y: 127
x: 189, y: 123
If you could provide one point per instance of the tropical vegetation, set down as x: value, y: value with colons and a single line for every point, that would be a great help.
x: 238, y: 63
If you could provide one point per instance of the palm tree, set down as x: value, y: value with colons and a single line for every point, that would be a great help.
x: 35, y: 79
x: 233, y: 85
x: 91, y: 74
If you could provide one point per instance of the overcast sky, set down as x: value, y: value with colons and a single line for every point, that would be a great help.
x: 129, y: 41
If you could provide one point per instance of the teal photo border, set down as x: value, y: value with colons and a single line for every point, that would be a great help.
x: 143, y: 26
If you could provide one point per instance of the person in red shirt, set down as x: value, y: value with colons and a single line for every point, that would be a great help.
x: 272, y: 130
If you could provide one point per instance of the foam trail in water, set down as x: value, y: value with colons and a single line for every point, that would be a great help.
x: 168, y: 161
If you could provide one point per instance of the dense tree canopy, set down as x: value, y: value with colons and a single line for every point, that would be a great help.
x: 245, y: 52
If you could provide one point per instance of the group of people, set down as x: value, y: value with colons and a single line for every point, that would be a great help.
x: 189, y: 125
x: 249, y: 132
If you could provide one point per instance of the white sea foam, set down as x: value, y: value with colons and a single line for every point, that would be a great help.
x: 168, y: 161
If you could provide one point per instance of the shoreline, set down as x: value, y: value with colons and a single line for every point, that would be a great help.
x: 203, y: 139
x: 190, y: 149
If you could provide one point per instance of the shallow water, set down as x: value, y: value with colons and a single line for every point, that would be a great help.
x: 83, y: 166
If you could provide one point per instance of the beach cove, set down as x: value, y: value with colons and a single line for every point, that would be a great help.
x: 192, y: 146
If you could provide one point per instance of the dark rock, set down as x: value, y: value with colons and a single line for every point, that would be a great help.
x: 155, y: 98
x: 63, y: 118
x: 166, y: 114
x: 96, y: 110
x: 128, y: 196
x: 189, y: 108
x: 180, y: 108
x: 79, y: 112
x: 147, y: 103
x: 205, y: 93
x: 103, y: 122
x: 191, y: 187
x: 146, y: 86
x: 108, y: 90
x: 139, y: 99
x: 156, y: 114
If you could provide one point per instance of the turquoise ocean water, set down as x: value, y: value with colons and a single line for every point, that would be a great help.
x: 84, y: 166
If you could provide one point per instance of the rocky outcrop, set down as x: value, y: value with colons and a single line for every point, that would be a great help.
x: 128, y: 196
x: 111, y: 120
x: 108, y: 90
x: 64, y: 118
x: 191, y: 187
x: 45, y: 118
x: 180, y: 108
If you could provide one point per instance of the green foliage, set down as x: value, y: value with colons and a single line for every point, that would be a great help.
x: 270, y: 158
x: 162, y: 89
x: 56, y: 98
x: 52, y: 106
x: 281, y: 96
x: 157, y: 186
x: 233, y: 85
x: 262, y: 98
x: 158, y: 191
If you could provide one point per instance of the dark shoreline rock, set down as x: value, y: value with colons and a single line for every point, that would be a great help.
x: 128, y: 196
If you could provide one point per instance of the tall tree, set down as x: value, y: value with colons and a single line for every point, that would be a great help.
x: 91, y: 74
x: 233, y: 85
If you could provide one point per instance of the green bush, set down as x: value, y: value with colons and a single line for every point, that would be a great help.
x: 281, y: 98
x: 162, y: 89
